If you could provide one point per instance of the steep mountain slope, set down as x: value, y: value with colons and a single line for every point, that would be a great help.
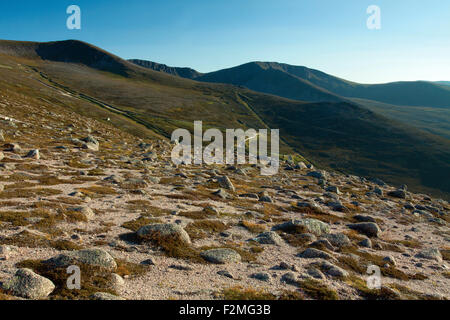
x: 339, y: 135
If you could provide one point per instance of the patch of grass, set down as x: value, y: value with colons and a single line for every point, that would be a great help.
x: 200, y: 229
x: 77, y: 164
x: 93, y: 279
x: 294, y: 240
x: 412, y: 294
x: 29, y: 193
x: 318, y: 290
x: 146, y: 209
x: 418, y: 276
x: 126, y: 268
x: 203, y: 214
x: 96, y: 172
x: 370, y: 294
x: 135, y: 225
x: 4, y: 296
x: 20, y: 185
x: 252, y: 227
x: 65, y: 245
x: 98, y: 191
x: 367, y: 259
x: 445, y: 254
x: 351, y: 264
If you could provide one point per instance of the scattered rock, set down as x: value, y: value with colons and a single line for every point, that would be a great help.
x: 430, y: 254
x: 116, y: 282
x: 34, y: 154
x: 369, y: 229
x: 390, y: 260
x: 225, y: 182
x: 168, y: 231
x: 313, y: 226
x: 331, y: 269
x: 221, y: 193
x: 269, y: 237
x: 225, y: 273
x: 401, y: 194
x: 290, y: 278
x: 221, y: 256
x: 91, y: 257
x: 363, y: 218
x: 262, y: 276
x: 85, y: 211
x: 27, y: 284
x: 366, y: 243
x: 338, y: 239
x: 312, y: 253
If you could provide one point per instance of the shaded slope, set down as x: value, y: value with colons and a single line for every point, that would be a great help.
x: 349, y: 138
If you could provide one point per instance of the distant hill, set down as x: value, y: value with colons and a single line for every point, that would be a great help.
x: 180, y: 72
x: 334, y: 134
x: 445, y: 83
x: 302, y: 83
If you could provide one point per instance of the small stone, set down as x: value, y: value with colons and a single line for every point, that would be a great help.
x: 225, y: 273
x: 105, y: 296
x: 317, y: 174
x: 312, y: 253
x: 363, y: 218
x: 322, y: 243
x: 116, y: 282
x: 87, y: 212
x: 262, y: 276
x: 333, y: 189
x: 313, y: 272
x: 221, y: 193
x: 34, y: 154
x: 401, y: 194
x: 390, y: 260
x: 12, y: 147
x: 225, y: 182
x: 332, y: 270
x: 366, y: 243
x: 430, y: 254
x: 148, y: 262
x: 290, y: 278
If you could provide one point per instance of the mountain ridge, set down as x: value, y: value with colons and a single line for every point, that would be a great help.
x: 409, y: 93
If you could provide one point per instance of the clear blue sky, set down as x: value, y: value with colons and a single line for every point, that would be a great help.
x: 330, y: 35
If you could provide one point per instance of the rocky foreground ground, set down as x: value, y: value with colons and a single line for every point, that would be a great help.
x: 76, y: 191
